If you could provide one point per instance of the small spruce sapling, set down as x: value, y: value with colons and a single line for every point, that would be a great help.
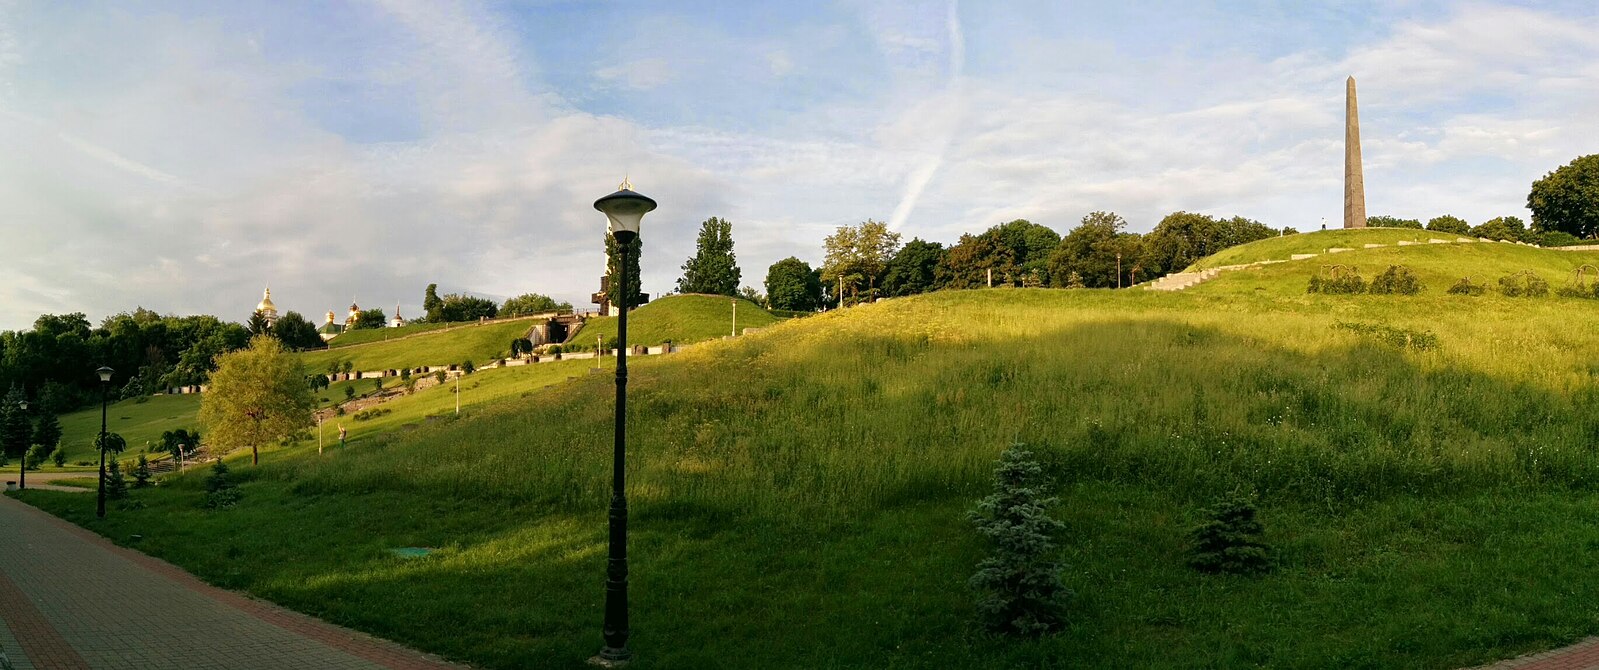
x: 116, y: 486
x: 141, y: 473
x: 220, y: 492
x: 1230, y: 539
x: 1018, y: 585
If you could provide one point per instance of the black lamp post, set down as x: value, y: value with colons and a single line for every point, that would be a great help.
x: 105, y: 381
x: 22, y: 472
x: 624, y: 208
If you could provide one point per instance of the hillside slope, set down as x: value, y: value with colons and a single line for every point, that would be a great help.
x: 683, y: 319
x: 477, y: 343
x: 1315, y: 242
x: 809, y: 483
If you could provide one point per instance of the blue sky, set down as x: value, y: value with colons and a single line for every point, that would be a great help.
x: 181, y: 155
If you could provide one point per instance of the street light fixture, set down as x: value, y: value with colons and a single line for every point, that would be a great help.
x: 22, y: 472
x: 624, y: 209
x: 105, y: 381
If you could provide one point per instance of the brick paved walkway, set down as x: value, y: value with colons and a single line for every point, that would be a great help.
x: 1583, y: 655
x: 70, y: 599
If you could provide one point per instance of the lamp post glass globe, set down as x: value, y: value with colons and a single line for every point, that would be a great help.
x: 105, y: 373
x: 625, y: 209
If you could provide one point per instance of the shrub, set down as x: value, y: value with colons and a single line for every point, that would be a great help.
x: 1018, y: 585
x: 36, y: 456
x: 141, y: 473
x: 1341, y: 280
x: 59, y: 457
x: 373, y: 413
x: 1397, y: 279
x: 439, y: 376
x: 1403, y: 338
x: 1465, y: 287
x: 1229, y: 540
x: 377, y: 386
x: 220, y: 491
x: 116, y: 487
x: 1523, y: 284
x: 349, y: 392
x: 468, y: 368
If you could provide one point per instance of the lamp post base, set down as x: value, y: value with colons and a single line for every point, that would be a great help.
x: 612, y: 658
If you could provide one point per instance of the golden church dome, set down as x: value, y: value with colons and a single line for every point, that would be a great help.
x: 266, y: 303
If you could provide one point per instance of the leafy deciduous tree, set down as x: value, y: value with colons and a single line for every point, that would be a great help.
x: 257, y: 395
x: 1567, y: 199
x: 1449, y: 224
x: 857, y: 254
x: 532, y: 303
x: 713, y: 269
x: 914, y: 269
x: 791, y: 284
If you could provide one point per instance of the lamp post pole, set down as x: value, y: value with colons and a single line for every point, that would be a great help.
x: 735, y: 317
x: 624, y: 208
x: 22, y: 472
x: 105, y: 380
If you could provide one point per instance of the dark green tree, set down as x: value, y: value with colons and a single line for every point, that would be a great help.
x: 431, y: 304
x: 296, y: 332
x: 257, y: 325
x: 1018, y: 584
x: 634, y: 288
x: 713, y: 269
x: 1230, y: 539
x: 1510, y: 228
x: 532, y: 303
x: 1184, y: 237
x: 47, y: 432
x: 1017, y: 253
x: 1567, y: 199
x: 371, y: 319
x: 1091, y: 249
x: 116, y: 486
x: 457, y: 307
x: 913, y: 269
x: 1449, y: 224
x: 1391, y: 222
x: 16, y: 431
x: 141, y: 473
x: 791, y: 284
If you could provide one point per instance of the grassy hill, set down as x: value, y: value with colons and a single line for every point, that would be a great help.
x: 1438, y: 266
x: 478, y: 343
x: 138, y: 423
x: 683, y: 319
x: 1315, y: 242
x: 798, y: 495
x: 369, y: 335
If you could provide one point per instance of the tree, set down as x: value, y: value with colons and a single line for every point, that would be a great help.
x: 257, y: 395
x: 1019, y: 587
x: 296, y: 332
x: 1014, y: 254
x: 1392, y: 222
x: 1567, y: 199
x: 431, y: 304
x: 1510, y: 228
x: 141, y: 473
x: 713, y: 269
x: 913, y: 269
x: 369, y: 319
x: 1184, y: 237
x: 634, y: 289
x: 1091, y: 251
x: 258, y: 324
x: 457, y: 307
x: 532, y: 303
x: 792, y: 285
x: 1449, y: 224
x: 16, y: 431
x: 180, y: 441
x: 749, y: 293
x: 116, y: 487
x: 48, y: 431
x: 857, y: 254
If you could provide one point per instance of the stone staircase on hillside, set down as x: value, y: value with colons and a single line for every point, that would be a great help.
x: 1182, y: 280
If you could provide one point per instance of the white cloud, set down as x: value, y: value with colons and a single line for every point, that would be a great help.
x: 640, y: 75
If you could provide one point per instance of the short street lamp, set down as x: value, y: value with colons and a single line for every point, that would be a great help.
x: 624, y: 209
x: 22, y: 472
x: 105, y: 381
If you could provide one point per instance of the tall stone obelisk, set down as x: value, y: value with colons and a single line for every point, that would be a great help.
x: 1354, y: 181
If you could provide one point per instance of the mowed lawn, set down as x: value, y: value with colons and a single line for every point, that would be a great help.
x: 370, y: 335
x: 683, y: 319
x: 480, y: 344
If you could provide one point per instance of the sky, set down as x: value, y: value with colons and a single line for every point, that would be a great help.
x: 181, y: 156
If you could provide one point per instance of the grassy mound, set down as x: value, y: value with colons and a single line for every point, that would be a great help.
x: 683, y: 319
x: 140, y: 423
x: 808, y: 483
x: 1438, y: 266
x: 477, y: 343
x: 1283, y: 248
x: 370, y: 335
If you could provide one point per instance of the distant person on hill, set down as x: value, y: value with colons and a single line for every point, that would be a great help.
x: 341, y: 435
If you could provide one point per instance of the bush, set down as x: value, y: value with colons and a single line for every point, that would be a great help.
x: 1018, y: 585
x: 220, y: 491
x: 439, y: 376
x: 141, y: 473
x: 468, y: 368
x: 1556, y: 238
x: 1523, y: 284
x: 1397, y: 279
x: 59, y: 457
x: 1465, y: 287
x: 36, y: 456
x: 1403, y: 338
x: 349, y: 392
x: 1229, y: 540
x: 1342, y: 280
x: 116, y: 487
x: 373, y: 413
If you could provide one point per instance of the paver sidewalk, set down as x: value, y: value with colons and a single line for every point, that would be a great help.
x: 70, y: 599
x: 1583, y: 655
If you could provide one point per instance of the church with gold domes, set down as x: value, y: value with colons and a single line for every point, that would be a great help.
x: 267, y: 309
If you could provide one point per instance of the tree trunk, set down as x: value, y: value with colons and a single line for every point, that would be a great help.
x: 255, y: 455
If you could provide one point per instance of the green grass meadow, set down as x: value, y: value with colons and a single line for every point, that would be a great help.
x: 370, y: 335
x: 683, y: 319
x: 478, y: 343
x: 140, y: 423
x: 798, y: 495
